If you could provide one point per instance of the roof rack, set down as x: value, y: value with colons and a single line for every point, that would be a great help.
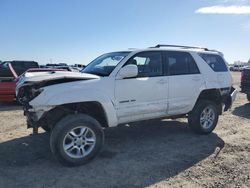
x: 186, y: 47
x: 180, y: 46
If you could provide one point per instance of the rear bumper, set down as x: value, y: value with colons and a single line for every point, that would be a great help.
x: 230, y: 99
x: 245, y: 89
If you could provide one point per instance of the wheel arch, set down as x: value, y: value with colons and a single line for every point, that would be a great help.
x: 211, y: 95
x: 92, y: 108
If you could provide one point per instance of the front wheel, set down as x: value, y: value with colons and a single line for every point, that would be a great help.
x: 76, y: 139
x: 204, y: 117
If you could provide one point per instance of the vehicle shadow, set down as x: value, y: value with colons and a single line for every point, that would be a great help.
x: 135, y: 155
x: 242, y: 111
x: 10, y: 106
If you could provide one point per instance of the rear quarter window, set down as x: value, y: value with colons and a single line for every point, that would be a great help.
x: 215, y: 62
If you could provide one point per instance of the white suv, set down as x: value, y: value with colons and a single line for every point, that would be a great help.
x: 165, y: 81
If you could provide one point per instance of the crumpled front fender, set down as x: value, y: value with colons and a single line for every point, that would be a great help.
x: 48, y: 100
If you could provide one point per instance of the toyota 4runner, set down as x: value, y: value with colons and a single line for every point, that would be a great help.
x: 164, y: 81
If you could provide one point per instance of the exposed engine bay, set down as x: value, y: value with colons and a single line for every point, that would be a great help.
x: 29, y: 91
x: 30, y: 85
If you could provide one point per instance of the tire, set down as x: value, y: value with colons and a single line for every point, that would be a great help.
x: 46, y: 128
x: 248, y: 97
x: 82, y: 133
x: 201, y: 120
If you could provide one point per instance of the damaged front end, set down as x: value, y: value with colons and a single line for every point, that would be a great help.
x: 25, y: 94
x: 31, y: 86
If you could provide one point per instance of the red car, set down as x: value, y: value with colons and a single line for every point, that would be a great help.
x: 8, y: 84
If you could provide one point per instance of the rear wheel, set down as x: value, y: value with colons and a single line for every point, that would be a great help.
x: 204, y: 117
x: 76, y: 139
x: 248, y: 97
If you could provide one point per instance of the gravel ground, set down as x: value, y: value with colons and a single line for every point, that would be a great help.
x: 147, y: 154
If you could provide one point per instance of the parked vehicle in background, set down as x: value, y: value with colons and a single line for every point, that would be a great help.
x: 63, y: 66
x: 75, y: 69
x: 67, y: 68
x: 7, y: 89
x: 123, y: 87
x: 78, y: 66
x: 46, y: 70
x: 56, y: 64
x: 237, y: 68
x: 19, y: 66
x: 230, y: 67
x: 245, y: 82
x: 8, y: 84
x: 243, y: 67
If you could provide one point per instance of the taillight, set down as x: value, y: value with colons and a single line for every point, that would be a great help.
x: 242, y: 76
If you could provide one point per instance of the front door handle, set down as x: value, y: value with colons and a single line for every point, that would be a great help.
x: 196, y: 79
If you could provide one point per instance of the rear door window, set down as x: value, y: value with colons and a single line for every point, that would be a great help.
x: 215, y: 62
x: 181, y: 63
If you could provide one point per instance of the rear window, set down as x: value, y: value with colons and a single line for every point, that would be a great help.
x: 30, y: 64
x: 24, y: 64
x: 215, y: 62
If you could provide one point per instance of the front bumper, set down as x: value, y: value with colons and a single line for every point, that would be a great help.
x: 31, y: 117
x: 34, y: 117
x: 230, y: 99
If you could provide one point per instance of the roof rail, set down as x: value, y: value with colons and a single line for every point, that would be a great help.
x: 180, y: 46
x: 186, y: 47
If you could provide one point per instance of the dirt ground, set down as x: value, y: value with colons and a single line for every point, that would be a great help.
x: 149, y: 154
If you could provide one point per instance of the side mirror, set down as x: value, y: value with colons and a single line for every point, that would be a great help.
x: 129, y: 71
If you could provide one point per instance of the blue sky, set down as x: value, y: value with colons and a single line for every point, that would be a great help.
x: 76, y: 31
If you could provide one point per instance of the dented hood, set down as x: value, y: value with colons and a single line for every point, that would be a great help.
x: 39, y: 77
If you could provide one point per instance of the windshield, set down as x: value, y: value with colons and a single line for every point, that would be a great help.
x: 105, y: 64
